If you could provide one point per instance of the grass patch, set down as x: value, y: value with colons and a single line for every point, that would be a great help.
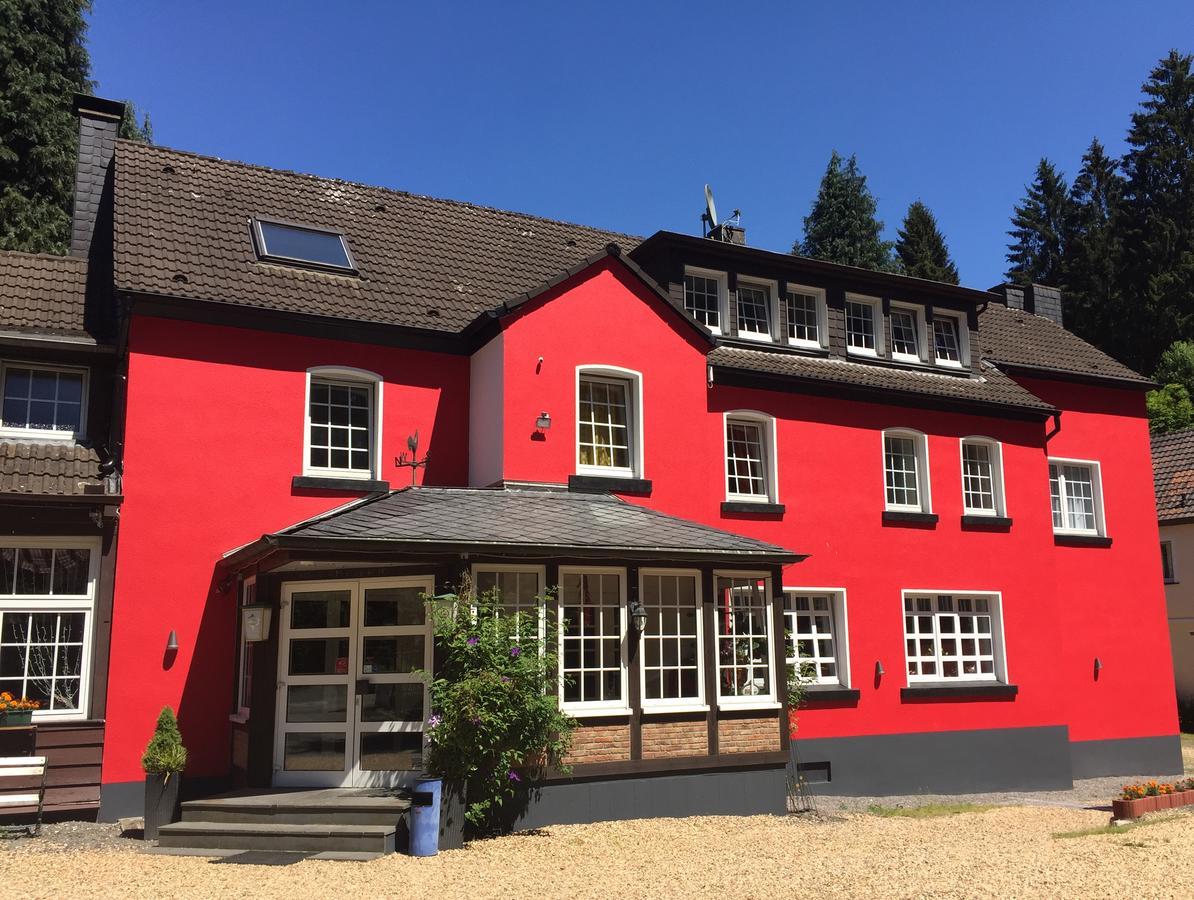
x: 1113, y: 829
x: 928, y: 811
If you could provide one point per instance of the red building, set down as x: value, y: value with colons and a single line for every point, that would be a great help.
x: 936, y: 497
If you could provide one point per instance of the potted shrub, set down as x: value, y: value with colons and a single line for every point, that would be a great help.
x: 16, y: 710
x: 163, y: 762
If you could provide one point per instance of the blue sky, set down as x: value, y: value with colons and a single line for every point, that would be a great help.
x: 616, y: 114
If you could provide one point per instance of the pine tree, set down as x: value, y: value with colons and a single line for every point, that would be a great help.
x: 1157, y: 273
x: 1038, y: 229
x: 921, y: 247
x: 841, y: 227
x: 1088, y: 280
x: 130, y: 130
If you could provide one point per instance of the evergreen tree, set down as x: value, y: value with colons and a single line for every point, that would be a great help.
x: 1038, y: 229
x: 1157, y: 273
x: 921, y: 247
x: 130, y: 130
x: 43, y: 63
x: 841, y: 227
x: 1088, y: 279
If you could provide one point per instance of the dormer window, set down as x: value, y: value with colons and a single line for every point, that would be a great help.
x: 703, y: 292
x: 805, y: 308
x: 947, y: 345
x: 906, y: 334
x: 302, y: 245
x: 41, y: 401
x: 754, y: 310
x: 862, y: 329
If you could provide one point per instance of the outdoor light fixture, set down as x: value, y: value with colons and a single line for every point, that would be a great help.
x: 1098, y: 665
x: 172, y: 641
x: 544, y: 421
x: 879, y: 673
x: 254, y: 622
x: 638, y: 615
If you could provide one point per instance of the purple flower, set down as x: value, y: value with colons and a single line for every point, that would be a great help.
x: 506, y: 679
x: 472, y: 642
x: 514, y: 651
x: 476, y: 721
x: 513, y: 776
x: 435, y: 721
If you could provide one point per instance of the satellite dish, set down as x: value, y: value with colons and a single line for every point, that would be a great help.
x: 710, y: 208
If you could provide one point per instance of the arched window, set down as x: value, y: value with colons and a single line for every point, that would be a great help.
x: 342, y: 425
x: 906, y: 471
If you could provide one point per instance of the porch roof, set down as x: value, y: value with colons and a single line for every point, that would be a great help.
x: 526, y: 521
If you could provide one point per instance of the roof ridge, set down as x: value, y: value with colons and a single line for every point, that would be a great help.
x: 56, y: 257
x: 140, y: 146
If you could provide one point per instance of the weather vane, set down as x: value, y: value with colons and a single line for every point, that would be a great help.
x: 413, y: 462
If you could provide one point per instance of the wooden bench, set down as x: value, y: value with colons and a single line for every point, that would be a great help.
x: 24, y: 769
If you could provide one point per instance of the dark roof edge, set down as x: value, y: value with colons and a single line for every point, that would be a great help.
x: 1179, y: 520
x: 47, y: 340
x: 1138, y: 383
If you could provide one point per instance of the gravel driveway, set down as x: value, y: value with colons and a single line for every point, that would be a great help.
x: 1001, y: 852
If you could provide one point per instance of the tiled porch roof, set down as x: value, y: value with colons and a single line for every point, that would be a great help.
x: 59, y: 468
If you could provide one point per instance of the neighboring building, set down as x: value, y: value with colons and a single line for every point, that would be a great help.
x: 936, y: 496
x: 1173, y: 464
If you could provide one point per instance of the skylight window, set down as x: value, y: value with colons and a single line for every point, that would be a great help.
x: 301, y: 245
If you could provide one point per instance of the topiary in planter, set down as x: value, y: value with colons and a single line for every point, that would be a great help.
x: 163, y: 761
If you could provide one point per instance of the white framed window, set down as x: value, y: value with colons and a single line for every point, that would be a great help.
x: 745, y: 662
x: 815, y: 633
x: 982, y: 477
x: 949, y: 340
x: 42, y: 402
x: 244, y: 680
x: 907, y: 333
x: 805, y: 311
x: 956, y: 636
x: 750, y: 455
x: 608, y: 421
x: 342, y: 429
x: 671, y: 649
x: 756, y: 309
x: 705, y: 296
x: 519, y: 589
x: 593, y: 674
x: 1076, y: 495
x: 47, y: 607
x: 1167, y: 570
x: 863, y: 325
x: 906, y: 471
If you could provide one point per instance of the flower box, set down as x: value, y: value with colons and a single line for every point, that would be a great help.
x: 16, y: 717
x: 1132, y: 809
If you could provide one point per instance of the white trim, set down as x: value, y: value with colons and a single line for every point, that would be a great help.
x: 45, y: 434
x: 723, y: 293
x: 1001, y: 674
x: 634, y: 413
x: 818, y: 294
x: 698, y: 703
x: 918, y: 326
x: 772, y: 289
x: 243, y: 711
x: 961, y: 331
x: 747, y: 701
x: 995, y: 451
x: 876, y: 306
x: 540, y: 573
x: 841, y: 627
x: 595, y: 707
x: 924, y: 486
x: 1096, y: 478
x: 770, y: 455
x: 357, y: 376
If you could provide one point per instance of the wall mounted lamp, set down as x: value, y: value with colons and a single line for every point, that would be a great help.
x: 544, y: 421
x: 1098, y: 666
x: 172, y: 640
x: 879, y: 673
x: 638, y: 615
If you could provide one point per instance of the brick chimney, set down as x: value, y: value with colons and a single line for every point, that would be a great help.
x: 1039, y: 299
x: 99, y: 124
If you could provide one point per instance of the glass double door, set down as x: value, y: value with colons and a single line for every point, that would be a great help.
x: 351, y: 708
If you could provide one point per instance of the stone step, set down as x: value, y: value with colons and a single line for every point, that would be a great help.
x: 312, y: 837
x: 297, y: 811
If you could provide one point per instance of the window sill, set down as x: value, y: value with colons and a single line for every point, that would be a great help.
x: 986, y: 523
x: 936, y: 690
x: 665, y: 710
x: 238, y: 718
x: 37, y: 436
x: 894, y: 517
x: 737, y: 707
x: 321, y: 483
x: 614, y: 484
x: 582, y: 713
x: 1081, y: 540
x: 752, y: 506
x: 825, y: 693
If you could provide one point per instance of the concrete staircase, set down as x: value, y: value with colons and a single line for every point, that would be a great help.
x: 334, y: 821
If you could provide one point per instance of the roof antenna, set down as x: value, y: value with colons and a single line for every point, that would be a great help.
x: 718, y: 231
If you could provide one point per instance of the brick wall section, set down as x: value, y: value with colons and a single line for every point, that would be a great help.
x: 663, y: 739
x: 600, y: 743
x: 748, y: 735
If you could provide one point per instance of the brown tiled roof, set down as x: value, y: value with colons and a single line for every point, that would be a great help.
x: 42, y: 293
x: 60, y: 468
x: 1016, y: 338
x: 1173, y: 474
x: 182, y: 230
x: 992, y: 388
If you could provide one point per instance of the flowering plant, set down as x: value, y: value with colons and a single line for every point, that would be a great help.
x: 1133, y: 792
x: 496, y: 721
x: 9, y: 703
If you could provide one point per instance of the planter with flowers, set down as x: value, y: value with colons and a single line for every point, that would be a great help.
x: 1151, y: 796
x: 16, y: 710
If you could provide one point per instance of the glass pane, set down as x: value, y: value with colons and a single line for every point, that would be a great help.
x: 392, y: 703
x: 8, y: 569
x: 320, y: 609
x: 307, y: 244
x: 391, y: 750
x: 70, y: 571
x: 402, y: 653
x: 319, y: 656
x: 317, y: 752
x: 12, y: 662
x: 33, y: 570
x: 317, y: 703
x: 394, y: 606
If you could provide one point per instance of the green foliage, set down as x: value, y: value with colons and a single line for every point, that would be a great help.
x: 1169, y: 408
x: 1089, y: 264
x: 130, y: 130
x: 1039, y: 224
x: 841, y: 227
x: 165, y: 752
x: 928, y: 810
x: 496, y: 721
x: 921, y: 247
x: 1177, y: 365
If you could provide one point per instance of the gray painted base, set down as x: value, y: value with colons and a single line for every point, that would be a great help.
x: 1128, y: 756
x: 126, y: 799
x: 737, y: 793
x: 941, y: 762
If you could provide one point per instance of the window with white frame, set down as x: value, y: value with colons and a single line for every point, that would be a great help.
x: 982, y: 477
x: 592, y: 631
x: 905, y: 334
x: 702, y: 297
x: 671, y: 645
x: 606, y: 425
x: 1076, y: 497
x: 813, y: 623
x: 861, y: 330
x: 244, y: 690
x: 342, y: 415
x: 947, y: 345
x: 40, y: 401
x: 754, y: 310
x: 744, y: 658
x: 952, y: 637
x: 517, y: 590
x: 47, y: 602
x: 805, y: 311
x: 750, y: 457
x: 1167, y: 570
x: 905, y: 471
